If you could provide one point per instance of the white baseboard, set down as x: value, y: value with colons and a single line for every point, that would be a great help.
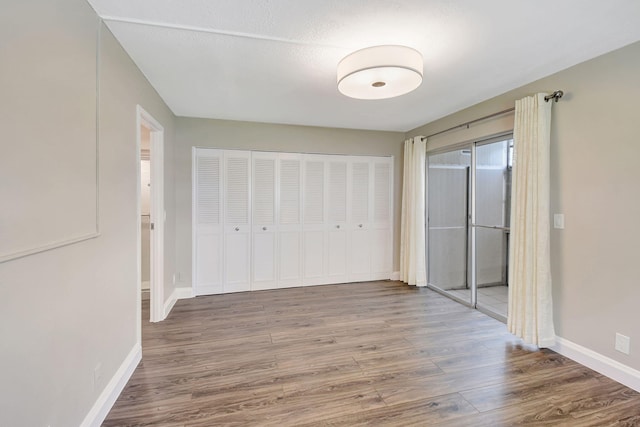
x: 599, y: 363
x: 184, y: 292
x: 169, y: 303
x: 108, y: 397
x: 395, y: 275
x: 178, y: 293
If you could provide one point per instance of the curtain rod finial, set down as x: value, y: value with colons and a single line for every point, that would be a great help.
x: 556, y: 95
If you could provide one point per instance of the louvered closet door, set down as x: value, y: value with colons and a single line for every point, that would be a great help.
x: 289, y: 220
x: 237, y: 221
x: 264, y: 245
x: 337, y: 237
x: 360, y: 206
x: 382, y: 221
x: 207, y: 221
x: 314, y: 214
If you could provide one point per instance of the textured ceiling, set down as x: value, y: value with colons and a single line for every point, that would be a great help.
x: 275, y: 60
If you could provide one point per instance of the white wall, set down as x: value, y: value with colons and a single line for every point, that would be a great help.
x: 270, y: 137
x: 595, y: 149
x: 68, y: 310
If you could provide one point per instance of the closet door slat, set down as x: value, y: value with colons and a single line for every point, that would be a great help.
x: 237, y: 191
x: 264, y: 183
x: 314, y: 192
x: 208, y: 190
x: 290, y: 191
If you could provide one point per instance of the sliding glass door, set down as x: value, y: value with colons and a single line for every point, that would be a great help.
x: 448, y: 234
x: 468, y: 223
x: 490, y: 224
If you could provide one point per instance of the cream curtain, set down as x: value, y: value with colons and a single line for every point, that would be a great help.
x: 530, y: 303
x: 413, y: 266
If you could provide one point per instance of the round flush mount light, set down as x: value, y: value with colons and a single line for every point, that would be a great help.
x: 380, y: 72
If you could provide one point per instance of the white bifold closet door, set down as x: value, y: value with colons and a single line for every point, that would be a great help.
x: 222, y: 221
x: 336, y: 225
x: 207, y: 221
x: 382, y: 219
x: 314, y: 262
x: 277, y: 220
x: 271, y: 220
x: 237, y: 221
x: 289, y: 214
x: 265, y: 232
x: 360, y: 207
x: 370, y: 218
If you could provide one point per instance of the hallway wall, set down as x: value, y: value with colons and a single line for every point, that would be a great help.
x: 68, y: 316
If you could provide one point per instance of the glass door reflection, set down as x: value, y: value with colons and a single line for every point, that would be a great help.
x: 490, y: 231
x: 448, y: 206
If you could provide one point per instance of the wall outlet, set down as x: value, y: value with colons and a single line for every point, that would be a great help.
x: 558, y: 221
x: 623, y: 343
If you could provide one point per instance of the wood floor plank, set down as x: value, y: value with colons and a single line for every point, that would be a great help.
x: 613, y: 404
x: 407, y: 389
x: 515, y: 392
x: 376, y: 353
x: 420, y: 412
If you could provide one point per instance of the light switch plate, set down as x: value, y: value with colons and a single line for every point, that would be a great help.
x: 558, y: 221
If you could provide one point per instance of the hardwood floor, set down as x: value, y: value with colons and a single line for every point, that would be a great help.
x: 377, y: 353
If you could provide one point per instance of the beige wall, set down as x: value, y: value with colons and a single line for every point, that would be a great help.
x: 269, y: 137
x: 65, y: 311
x: 35, y: 85
x: 594, y: 181
x: 123, y: 87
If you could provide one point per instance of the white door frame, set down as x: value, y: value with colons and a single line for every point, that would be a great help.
x: 157, y: 212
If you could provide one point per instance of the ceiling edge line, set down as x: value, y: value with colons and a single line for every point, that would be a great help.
x: 214, y: 31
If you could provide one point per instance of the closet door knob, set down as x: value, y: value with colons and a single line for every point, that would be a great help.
x: 360, y: 225
x: 337, y: 226
x: 264, y: 228
x: 237, y: 228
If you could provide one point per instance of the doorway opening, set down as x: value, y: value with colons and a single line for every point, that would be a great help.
x: 150, y: 157
x: 469, y: 199
x: 145, y: 211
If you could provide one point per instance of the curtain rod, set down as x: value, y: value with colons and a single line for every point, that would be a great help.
x: 556, y: 95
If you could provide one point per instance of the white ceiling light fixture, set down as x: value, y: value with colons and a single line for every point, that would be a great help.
x: 380, y: 72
